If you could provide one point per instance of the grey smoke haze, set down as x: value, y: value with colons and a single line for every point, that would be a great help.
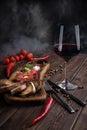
x: 69, y: 10
x: 65, y: 9
x: 40, y: 25
x: 37, y: 26
x: 31, y: 21
x: 23, y: 42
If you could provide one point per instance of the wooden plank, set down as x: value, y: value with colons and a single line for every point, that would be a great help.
x: 58, y: 117
x: 6, y: 111
x: 5, y: 115
x: 72, y: 66
x: 81, y: 123
x: 81, y: 79
x: 22, y: 116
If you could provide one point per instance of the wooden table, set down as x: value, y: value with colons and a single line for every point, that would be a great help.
x: 16, y: 117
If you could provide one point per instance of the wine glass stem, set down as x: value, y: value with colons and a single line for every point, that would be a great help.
x: 65, y: 74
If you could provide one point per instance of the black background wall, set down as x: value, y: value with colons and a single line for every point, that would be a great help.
x: 33, y: 24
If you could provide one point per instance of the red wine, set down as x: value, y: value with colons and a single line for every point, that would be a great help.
x: 67, y: 52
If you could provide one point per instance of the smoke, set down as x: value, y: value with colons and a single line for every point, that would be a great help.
x: 30, y: 30
x: 23, y: 42
x: 40, y: 24
x: 68, y: 11
x: 31, y: 21
x: 65, y: 7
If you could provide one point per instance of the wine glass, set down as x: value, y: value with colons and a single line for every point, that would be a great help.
x: 67, y: 51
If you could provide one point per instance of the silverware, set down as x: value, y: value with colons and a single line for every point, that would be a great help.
x: 55, y: 87
x: 58, y: 98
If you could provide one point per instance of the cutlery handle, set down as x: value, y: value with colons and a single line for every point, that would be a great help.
x: 63, y: 103
x: 69, y: 108
x: 79, y: 101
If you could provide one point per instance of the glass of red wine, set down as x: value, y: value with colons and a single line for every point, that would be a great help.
x: 67, y: 51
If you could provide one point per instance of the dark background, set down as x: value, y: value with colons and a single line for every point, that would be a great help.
x: 34, y: 24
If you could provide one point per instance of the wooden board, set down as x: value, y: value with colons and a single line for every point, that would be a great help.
x: 40, y: 96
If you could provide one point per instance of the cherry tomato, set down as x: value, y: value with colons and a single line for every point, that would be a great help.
x: 23, y: 52
x: 6, y: 60
x: 12, y: 59
x: 17, y: 58
x: 29, y: 56
x: 21, y: 57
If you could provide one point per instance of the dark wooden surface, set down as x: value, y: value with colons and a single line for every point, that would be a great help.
x: 17, y: 117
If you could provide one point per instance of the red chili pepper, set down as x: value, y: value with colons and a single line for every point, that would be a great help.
x: 44, y: 111
x: 9, y: 68
x: 40, y: 58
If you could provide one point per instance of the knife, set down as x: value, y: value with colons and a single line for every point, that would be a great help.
x: 57, y: 97
x: 55, y: 87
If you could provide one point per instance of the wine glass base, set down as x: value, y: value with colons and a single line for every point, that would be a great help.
x: 68, y: 85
